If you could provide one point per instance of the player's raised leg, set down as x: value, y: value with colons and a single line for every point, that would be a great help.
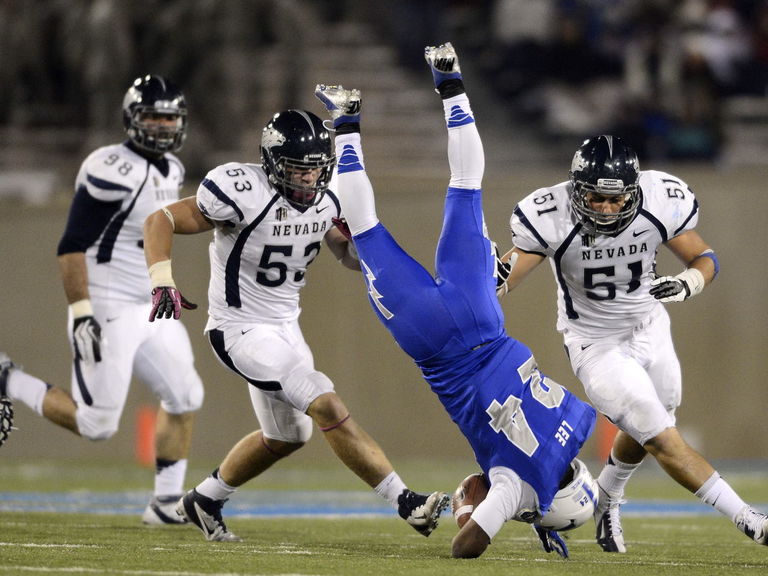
x: 355, y: 191
x: 357, y: 199
x: 464, y: 228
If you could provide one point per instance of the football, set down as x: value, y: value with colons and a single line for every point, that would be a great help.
x: 472, y: 490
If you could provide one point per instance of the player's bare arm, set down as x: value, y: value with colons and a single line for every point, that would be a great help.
x: 86, y: 331
x: 691, y: 250
x: 523, y: 264
x: 74, y: 276
x: 182, y: 217
x: 702, y: 267
x: 342, y: 248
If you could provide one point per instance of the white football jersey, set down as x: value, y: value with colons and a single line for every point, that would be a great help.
x: 117, y: 268
x: 603, y: 282
x: 262, y: 245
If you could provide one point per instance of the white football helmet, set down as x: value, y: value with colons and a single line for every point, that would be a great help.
x: 573, y: 504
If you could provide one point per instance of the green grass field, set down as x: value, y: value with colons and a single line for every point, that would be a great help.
x: 57, y: 543
x: 42, y: 543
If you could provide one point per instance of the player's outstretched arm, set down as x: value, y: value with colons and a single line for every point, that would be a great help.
x: 520, y: 265
x: 86, y: 331
x: 702, y: 268
x: 339, y: 241
x: 182, y: 217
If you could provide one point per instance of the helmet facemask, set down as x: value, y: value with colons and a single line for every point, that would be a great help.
x: 293, y: 178
x: 154, y: 135
x: 604, y: 223
x: 605, y: 169
x: 155, y: 115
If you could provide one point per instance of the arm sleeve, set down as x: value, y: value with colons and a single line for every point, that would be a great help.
x: 87, y: 220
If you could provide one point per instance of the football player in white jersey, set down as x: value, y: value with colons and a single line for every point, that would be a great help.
x: 269, y: 222
x: 601, y: 231
x: 103, y: 270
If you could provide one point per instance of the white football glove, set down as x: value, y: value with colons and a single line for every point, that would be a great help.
x: 503, y: 270
x: 678, y: 288
x: 86, y: 333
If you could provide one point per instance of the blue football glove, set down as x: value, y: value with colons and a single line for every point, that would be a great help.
x: 551, y: 541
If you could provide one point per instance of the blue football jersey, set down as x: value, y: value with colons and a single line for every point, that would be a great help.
x: 453, y: 327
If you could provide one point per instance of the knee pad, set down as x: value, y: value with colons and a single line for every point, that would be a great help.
x: 298, y: 431
x: 97, y: 424
x: 303, y: 431
x: 303, y: 389
x: 186, y: 396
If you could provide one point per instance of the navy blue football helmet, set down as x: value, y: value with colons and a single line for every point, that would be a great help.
x: 605, y: 165
x: 149, y: 98
x: 295, y: 143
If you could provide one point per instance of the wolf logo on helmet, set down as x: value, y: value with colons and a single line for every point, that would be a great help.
x: 297, y: 156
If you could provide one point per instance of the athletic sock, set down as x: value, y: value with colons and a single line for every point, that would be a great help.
x: 169, y: 476
x: 215, y: 488
x: 718, y: 493
x: 615, y: 475
x: 390, y: 488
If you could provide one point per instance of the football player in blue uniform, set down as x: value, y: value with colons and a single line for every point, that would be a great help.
x: 106, y: 283
x: 601, y: 231
x: 524, y: 428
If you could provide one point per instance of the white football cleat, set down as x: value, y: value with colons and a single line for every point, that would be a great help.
x: 6, y: 406
x: 444, y: 63
x: 754, y: 524
x: 608, y: 532
x: 162, y: 510
x: 205, y: 513
x: 343, y: 105
x: 421, y: 510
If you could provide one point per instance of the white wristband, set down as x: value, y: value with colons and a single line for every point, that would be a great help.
x: 160, y: 274
x: 694, y: 279
x: 81, y: 308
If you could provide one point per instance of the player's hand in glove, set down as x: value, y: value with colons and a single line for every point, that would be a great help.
x: 669, y: 289
x: 678, y: 288
x: 86, y: 333
x: 503, y: 270
x: 167, y: 301
x: 341, y: 224
x: 551, y: 541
